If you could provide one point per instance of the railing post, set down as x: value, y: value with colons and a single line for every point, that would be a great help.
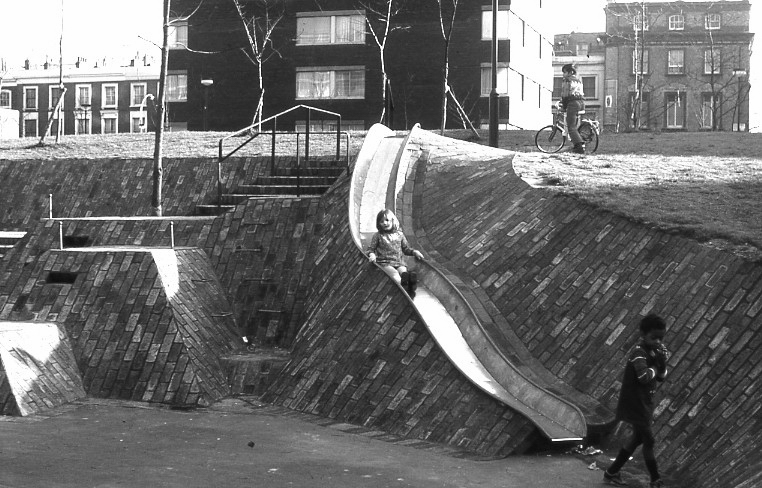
x: 347, y: 153
x: 307, y: 136
x: 338, y: 138
x: 219, y: 176
x: 272, y: 149
x: 60, y: 235
x: 172, y: 234
x: 50, y: 205
x: 298, y: 169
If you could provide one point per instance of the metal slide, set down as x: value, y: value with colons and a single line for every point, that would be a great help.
x: 446, y: 313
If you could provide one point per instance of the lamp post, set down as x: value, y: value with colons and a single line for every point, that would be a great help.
x: 207, y: 82
x: 493, y: 103
x: 144, y: 125
x: 739, y: 74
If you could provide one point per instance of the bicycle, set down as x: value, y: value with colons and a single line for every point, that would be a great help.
x: 551, y: 138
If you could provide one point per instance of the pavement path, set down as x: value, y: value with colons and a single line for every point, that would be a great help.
x: 105, y: 443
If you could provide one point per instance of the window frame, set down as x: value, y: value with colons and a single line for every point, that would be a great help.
x: 673, y: 68
x: 679, y: 111
x: 646, y: 62
x: 110, y: 115
x: 332, y: 28
x: 714, y: 105
x: 78, y: 97
x: 182, y: 91
x: 174, y: 41
x: 52, y: 105
x: 712, y: 61
x: 104, y: 97
x: 36, y: 91
x: 9, y: 94
x: 638, y: 24
x: 595, y: 87
x: 502, y: 79
x: 330, y: 72
x: 676, y: 22
x: 710, y: 19
x: 133, y: 103
x: 503, y: 33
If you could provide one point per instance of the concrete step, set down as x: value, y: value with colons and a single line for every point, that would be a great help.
x: 333, y: 171
x: 282, y: 189
x: 292, y: 179
x: 213, y: 209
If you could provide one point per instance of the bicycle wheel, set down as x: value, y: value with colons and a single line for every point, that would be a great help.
x: 589, y: 136
x: 549, y: 139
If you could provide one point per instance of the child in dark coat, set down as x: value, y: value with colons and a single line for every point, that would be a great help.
x: 387, y: 247
x: 646, y: 368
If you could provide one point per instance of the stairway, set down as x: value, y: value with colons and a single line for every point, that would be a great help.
x: 288, y: 182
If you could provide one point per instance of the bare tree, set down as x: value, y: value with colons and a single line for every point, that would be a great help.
x: 259, y: 18
x: 447, y: 10
x: 379, y: 18
x: 158, y: 169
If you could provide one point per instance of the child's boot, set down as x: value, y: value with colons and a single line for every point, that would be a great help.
x: 579, y: 148
x: 405, y: 279
x: 412, y: 284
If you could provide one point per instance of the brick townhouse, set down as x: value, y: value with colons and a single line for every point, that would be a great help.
x: 99, y: 99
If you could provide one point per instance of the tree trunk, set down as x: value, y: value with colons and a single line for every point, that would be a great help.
x: 158, y: 170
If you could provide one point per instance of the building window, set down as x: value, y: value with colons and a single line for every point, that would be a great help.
x: 30, y: 99
x: 711, y: 61
x: 138, y: 122
x: 642, y: 112
x: 177, y: 35
x: 30, y: 125
x: 675, y: 61
x: 55, y: 94
x: 83, y: 124
x: 137, y: 94
x: 502, y: 80
x: 82, y: 96
x: 339, y: 28
x: 712, y: 21
x: 677, y: 22
x: 502, y: 24
x: 321, y: 83
x: 109, y: 123
x: 5, y: 99
x: 582, y: 49
x: 588, y: 86
x: 177, y: 87
x: 675, y: 110
x: 636, y: 63
x: 709, y: 105
x: 109, y: 96
x: 640, y: 22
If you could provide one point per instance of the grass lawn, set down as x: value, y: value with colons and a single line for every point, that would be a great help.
x: 706, y: 185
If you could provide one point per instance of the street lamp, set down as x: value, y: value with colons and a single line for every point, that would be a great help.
x: 207, y: 82
x: 144, y: 125
x: 494, y: 117
x: 739, y: 74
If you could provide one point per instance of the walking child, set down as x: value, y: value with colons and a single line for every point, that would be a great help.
x: 646, y: 367
x: 387, y: 247
x: 572, y: 102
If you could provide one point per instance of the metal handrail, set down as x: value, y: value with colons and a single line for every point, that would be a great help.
x: 274, y: 119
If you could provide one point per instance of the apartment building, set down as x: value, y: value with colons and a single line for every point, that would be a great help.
x: 99, y: 98
x: 327, y: 55
x: 677, y: 65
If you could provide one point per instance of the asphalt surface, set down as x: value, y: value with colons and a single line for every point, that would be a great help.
x: 240, y: 442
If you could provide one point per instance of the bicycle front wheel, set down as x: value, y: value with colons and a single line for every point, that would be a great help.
x: 589, y: 136
x: 549, y: 139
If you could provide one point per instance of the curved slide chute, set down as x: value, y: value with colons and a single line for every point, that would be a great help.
x: 452, y: 322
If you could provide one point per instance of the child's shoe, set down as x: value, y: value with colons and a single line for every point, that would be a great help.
x: 412, y: 284
x: 614, y: 479
x: 405, y: 279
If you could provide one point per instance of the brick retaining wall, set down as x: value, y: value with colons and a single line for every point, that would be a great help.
x: 573, y: 281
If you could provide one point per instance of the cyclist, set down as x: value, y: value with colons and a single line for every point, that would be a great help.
x: 572, y: 102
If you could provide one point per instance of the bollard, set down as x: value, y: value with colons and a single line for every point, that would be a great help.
x: 172, y: 234
x: 60, y: 235
x: 50, y: 205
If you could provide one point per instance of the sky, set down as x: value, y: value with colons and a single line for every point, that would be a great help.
x: 106, y: 28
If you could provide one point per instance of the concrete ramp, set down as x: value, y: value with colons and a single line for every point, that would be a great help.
x: 38, y: 370
x: 450, y: 319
